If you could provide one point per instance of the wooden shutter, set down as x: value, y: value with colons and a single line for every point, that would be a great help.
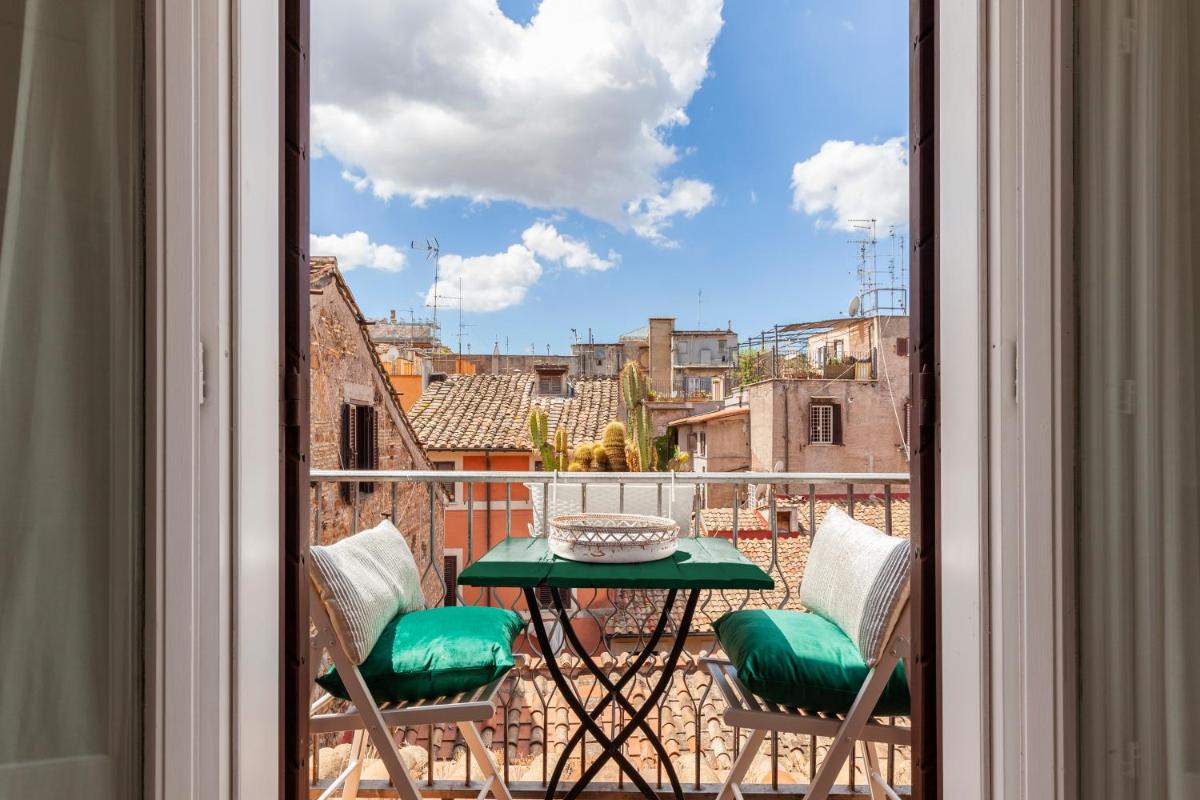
x: 450, y: 574
x: 367, y: 453
x: 348, y: 447
x: 837, y: 423
x: 546, y: 600
x: 902, y: 346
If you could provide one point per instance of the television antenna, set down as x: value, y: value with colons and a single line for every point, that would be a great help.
x: 461, y: 324
x: 432, y: 253
x: 882, y: 277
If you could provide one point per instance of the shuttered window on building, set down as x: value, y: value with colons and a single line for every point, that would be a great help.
x: 359, y: 445
x: 824, y: 422
x: 545, y: 600
x: 450, y: 574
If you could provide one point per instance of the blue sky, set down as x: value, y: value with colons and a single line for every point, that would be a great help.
x: 820, y: 84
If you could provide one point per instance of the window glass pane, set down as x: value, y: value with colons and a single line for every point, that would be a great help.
x: 1138, y: 543
x: 71, y: 416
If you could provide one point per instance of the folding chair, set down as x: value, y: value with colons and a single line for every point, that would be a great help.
x: 760, y: 717
x: 365, y: 715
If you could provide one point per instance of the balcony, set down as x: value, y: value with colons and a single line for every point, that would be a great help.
x: 771, y: 523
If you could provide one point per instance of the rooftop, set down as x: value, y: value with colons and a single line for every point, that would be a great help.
x: 712, y: 416
x: 490, y: 412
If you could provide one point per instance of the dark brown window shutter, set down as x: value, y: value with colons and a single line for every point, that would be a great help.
x: 365, y: 445
x: 837, y: 423
x: 450, y: 574
x: 348, y: 447
x: 546, y: 600
x: 902, y: 346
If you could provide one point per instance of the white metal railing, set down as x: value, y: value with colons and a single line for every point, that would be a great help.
x: 344, y: 501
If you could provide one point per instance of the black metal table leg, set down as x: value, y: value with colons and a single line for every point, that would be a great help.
x: 612, y: 689
x: 577, y: 706
x: 612, y: 747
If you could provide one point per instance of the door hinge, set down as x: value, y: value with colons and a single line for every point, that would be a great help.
x: 291, y: 398
x: 1016, y: 373
x: 203, y: 381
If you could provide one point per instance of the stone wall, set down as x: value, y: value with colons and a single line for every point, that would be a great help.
x: 342, y: 369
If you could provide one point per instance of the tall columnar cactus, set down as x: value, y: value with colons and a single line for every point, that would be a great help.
x: 539, y: 425
x: 643, y: 441
x: 635, y: 388
x: 562, y: 449
x: 635, y: 391
x: 614, y: 445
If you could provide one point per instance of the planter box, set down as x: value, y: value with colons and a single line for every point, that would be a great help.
x: 605, y: 497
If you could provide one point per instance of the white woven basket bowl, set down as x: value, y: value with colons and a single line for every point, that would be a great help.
x: 612, y: 538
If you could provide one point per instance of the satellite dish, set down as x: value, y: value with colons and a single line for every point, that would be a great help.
x: 854, y: 306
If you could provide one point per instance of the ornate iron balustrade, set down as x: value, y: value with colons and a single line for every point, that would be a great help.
x: 769, y: 516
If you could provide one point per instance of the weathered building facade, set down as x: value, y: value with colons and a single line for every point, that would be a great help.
x: 357, y: 423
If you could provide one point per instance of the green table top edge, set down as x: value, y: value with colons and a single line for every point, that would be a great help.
x: 699, y: 563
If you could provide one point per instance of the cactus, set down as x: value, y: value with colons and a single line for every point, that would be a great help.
x: 614, y: 444
x: 583, y: 456
x: 678, y: 461
x: 631, y: 457
x: 599, y: 458
x: 635, y: 391
x: 538, y: 428
x: 562, y: 449
x: 575, y: 466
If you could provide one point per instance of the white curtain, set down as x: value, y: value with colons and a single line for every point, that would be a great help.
x: 70, y: 389
x: 1138, y: 194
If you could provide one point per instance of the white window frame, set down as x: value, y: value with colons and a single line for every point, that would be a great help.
x: 1004, y: 232
x: 213, y: 228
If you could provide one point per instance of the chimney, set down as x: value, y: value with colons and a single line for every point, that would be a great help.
x: 393, y: 316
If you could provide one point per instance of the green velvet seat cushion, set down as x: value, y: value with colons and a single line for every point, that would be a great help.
x: 435, y: 652
x: 799, y: 659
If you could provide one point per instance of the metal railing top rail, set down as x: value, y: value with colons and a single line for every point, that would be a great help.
x: 666, y: 478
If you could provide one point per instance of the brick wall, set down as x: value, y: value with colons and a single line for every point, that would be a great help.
x: 343, y: 368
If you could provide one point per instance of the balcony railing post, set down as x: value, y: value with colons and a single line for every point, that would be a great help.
x: 887, y: 509
x: 812, y: 511
x: 736, y: 505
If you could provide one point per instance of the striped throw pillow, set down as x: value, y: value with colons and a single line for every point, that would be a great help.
x: 857, y: 578
x: 364, y: 581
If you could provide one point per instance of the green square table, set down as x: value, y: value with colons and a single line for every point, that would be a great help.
x: 698, y: 564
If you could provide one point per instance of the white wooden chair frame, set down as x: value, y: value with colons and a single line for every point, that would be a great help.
x: 745, y: 710
x: 365, y: 716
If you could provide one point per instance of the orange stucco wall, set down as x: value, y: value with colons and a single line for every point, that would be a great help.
x: 489, y: 527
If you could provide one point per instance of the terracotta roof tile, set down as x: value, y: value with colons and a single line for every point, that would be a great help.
x: 490, y: 412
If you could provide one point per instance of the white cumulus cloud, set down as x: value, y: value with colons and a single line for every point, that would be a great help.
x: 652, y: 214
x: 544, y: 241
x: 355, y: 250
x: 495, y: 282
x: 847, y: 180
x: 486, y: 283
x: 429, y: 99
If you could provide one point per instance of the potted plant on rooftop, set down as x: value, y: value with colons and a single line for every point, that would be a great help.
x: 625, y: 447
